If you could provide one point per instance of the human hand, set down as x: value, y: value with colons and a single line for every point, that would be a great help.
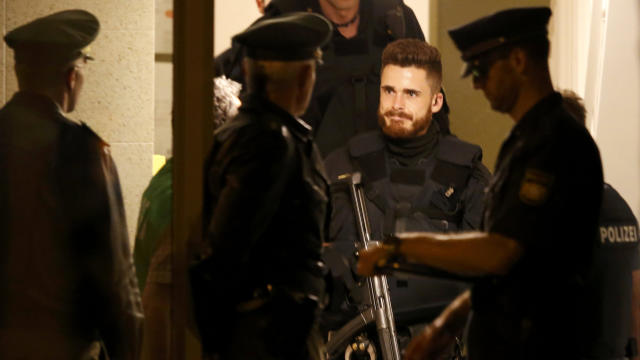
x: 433, y: 343
x: 371, y: 259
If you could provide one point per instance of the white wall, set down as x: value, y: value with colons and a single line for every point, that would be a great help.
x: 421, y: 9
x: 570, y: 34
x: 613, y: 89
x: 231, y: 17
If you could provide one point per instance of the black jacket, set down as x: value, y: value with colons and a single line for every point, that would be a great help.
x: 266, y: 198
x: 67, y: 274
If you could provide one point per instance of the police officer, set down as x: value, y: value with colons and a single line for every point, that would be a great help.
x: 613, y: 308
x: 266, y: 203
x: 416, y: 177
x: 541, y: 214
x: 346, y: 94
x: 66, y: 272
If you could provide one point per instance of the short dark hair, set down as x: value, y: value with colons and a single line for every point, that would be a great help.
x: 574, y: 105
x: 418, y: 53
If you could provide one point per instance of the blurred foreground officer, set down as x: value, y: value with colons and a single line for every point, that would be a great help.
x: 541, y: 215
x: 67, y: 275
x: 613, y: 297
x: 266, y: 204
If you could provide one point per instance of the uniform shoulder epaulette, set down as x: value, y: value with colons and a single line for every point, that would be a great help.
x: 459, y: 152
x: 366, y: 143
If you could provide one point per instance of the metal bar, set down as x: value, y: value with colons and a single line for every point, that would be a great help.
x: 192, y: 135
x: 377, y: 285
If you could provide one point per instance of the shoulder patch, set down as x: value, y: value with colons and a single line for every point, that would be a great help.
x: 535, y: 187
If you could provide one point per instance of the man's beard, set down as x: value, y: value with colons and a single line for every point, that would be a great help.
x: 418, y: 127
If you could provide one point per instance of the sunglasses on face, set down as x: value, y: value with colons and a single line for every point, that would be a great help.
x: 479, y: 68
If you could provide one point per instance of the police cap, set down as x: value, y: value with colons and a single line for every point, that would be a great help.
x: 56, y: 38
x: 290, y: 37
x: 479, y: 37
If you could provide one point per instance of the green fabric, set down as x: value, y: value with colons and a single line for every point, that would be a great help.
x: 154, y: 220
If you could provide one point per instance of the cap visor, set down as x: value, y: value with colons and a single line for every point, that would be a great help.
x: 467, y: 69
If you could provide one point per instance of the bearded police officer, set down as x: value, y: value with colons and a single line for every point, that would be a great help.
x: 66, y: 269
x: 613, y: 297
x: 345, y: 97
x: 266, y: 203
x: 541, y: 214
x: 417, y: 177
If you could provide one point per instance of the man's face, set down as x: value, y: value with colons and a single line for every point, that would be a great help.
x: 343, y: 4
x: 500, y: 85
x: 406, y: 102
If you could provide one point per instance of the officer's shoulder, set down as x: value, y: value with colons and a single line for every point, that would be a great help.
x: 366, y: 143
x: 614, y: 206
x: 459, y: 152
x: 340, y: 160
x: 258, y: 131
x: 80, y: 133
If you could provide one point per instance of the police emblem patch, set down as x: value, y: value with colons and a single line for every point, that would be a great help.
x: 535, y: 187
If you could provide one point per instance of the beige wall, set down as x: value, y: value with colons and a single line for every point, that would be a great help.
x: 117, y: 98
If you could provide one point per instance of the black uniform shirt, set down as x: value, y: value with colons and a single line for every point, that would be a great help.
x: 546, y: 195
x: 609, y: 304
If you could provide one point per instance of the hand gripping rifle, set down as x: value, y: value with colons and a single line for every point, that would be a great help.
x: 379, y: 309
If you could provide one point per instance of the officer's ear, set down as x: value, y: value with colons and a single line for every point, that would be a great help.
x: 306, y: 76
x: 518, y: 59
x: 71, y: 77
x: 436, y: 102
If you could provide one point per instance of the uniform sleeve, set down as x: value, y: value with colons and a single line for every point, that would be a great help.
x: 249, y: 178
x: 474, y: 197
x: 529, y: 193
x: 123, y: 328
x: 109, y: 299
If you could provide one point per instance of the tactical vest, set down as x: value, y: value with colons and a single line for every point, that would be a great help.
x: 346, y: 94
x: 432, y: 189
x: 427, y: 197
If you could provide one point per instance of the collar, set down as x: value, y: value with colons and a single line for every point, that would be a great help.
x: 408, y: 151
x: 37, y: 102
x: 531, y: 118
x: 363, y: 12
x: 254, y: 102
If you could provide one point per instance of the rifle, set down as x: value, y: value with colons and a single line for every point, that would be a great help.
x: 379, y: 301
